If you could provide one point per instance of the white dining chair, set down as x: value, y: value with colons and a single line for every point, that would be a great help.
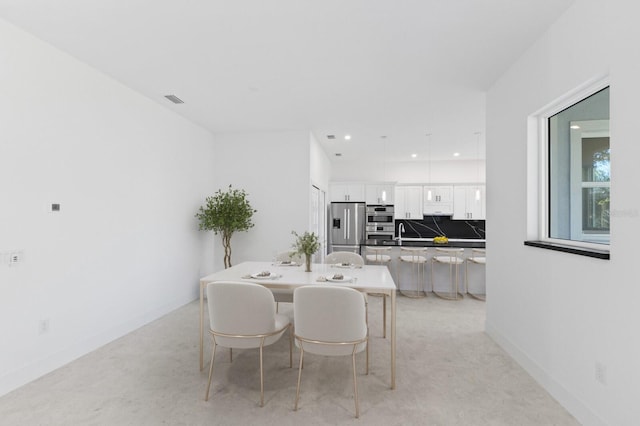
x: 330, y: 321
x: 242, y: 316
x: 292, y: 256
x: 286, y: 295
x: 338, y: 257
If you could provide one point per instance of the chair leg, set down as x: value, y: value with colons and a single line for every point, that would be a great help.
x: 367, y: 369
x: 290, y: 346
x: 355, y: 382
x: 213, y: 354
x: 261, y: 377
x: 299, y: 377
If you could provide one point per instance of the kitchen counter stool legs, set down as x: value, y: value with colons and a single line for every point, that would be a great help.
x: 380, y: 256
x: 416, y: 259
x: 477, y: 257
x: 453, y: 258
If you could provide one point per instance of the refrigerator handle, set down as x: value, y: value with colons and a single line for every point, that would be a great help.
x: 344, y: 228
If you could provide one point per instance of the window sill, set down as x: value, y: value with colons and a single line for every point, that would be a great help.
x: 582, y: 251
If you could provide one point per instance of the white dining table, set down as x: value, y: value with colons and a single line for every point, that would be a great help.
x: 367, y: 279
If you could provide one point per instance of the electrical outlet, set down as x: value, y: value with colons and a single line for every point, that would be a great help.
x: 43, y: 326
x: 601, y: 372
x: 15, y: 257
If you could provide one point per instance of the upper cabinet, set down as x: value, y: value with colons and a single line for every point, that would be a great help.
x: 438, y: 200
x: 343, y: 191
x: 408, y: 202
x: 380, y: 193
x: 469, y: 202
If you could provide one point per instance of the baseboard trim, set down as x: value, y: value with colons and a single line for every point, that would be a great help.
x: 30, y: 372
x: 573, y: 405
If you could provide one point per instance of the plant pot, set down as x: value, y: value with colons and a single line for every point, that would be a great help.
x: 307, y: 262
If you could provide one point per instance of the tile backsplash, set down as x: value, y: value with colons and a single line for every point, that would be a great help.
x: 433, y: 226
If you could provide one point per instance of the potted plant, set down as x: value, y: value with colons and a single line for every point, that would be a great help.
x: 226, y: 213
x: 306, y: 244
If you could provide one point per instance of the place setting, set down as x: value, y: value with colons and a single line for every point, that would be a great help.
x: 262, y: 275
x: 345, y: 265
x: 286, y: 263
x: 336, y: 278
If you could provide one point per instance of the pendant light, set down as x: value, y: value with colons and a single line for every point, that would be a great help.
x: 429, y: 195
x: 478, y: 165
x: 383, y: 196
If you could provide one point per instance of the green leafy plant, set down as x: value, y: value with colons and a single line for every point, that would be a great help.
x: 226, y: 213
x: 306, y: 244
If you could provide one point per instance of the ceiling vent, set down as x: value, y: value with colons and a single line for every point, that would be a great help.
x: 174, y: 99
x: 338, y: 154
x: 331, y: 137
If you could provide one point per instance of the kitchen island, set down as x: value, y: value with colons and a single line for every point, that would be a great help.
x: 404, y: 277
x: 424, y: 242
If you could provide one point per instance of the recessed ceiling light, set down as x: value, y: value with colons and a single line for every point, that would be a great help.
x: 347, y: 137
x: 575, y: 127
x: 456, y: 154
x: 414, y: 155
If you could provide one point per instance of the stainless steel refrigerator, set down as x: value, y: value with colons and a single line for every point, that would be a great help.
x: 347, y: 226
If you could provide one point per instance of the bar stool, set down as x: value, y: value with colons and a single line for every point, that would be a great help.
x: 379, y: 256
x: 478, y: 257
x: 453, y: 258
x: 416, y: 257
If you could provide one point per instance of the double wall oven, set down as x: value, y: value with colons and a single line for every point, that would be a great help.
x: 379, y: 225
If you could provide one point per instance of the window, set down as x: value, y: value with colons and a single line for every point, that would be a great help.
x: 575, y: 173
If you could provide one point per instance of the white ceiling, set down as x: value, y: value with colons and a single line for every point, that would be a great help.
x: 370, y: 68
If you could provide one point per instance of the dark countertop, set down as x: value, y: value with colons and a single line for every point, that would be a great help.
x: 394, y: 243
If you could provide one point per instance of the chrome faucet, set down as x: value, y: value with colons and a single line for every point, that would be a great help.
x: 400, y: 231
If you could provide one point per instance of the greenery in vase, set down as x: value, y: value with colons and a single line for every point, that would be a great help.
x: 307, y: 243
x: 225, y: 213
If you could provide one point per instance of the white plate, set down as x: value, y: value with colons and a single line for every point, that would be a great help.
x: 263, y: 277
x: 345, y: 279
x: 340, y: 265
x: 287, y: 263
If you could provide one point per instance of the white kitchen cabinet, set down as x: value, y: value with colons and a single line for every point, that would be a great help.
x: 380, y: 193
x: 408, y: 202
x: 440, y: 202
x: 469, y: 202
x: 347, y: 191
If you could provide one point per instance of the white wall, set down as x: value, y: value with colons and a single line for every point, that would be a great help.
x: 273, y: 168
x: 461, y: 171
x: 320, y: 165
x: 129, y: 175
x: 559, y: 314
